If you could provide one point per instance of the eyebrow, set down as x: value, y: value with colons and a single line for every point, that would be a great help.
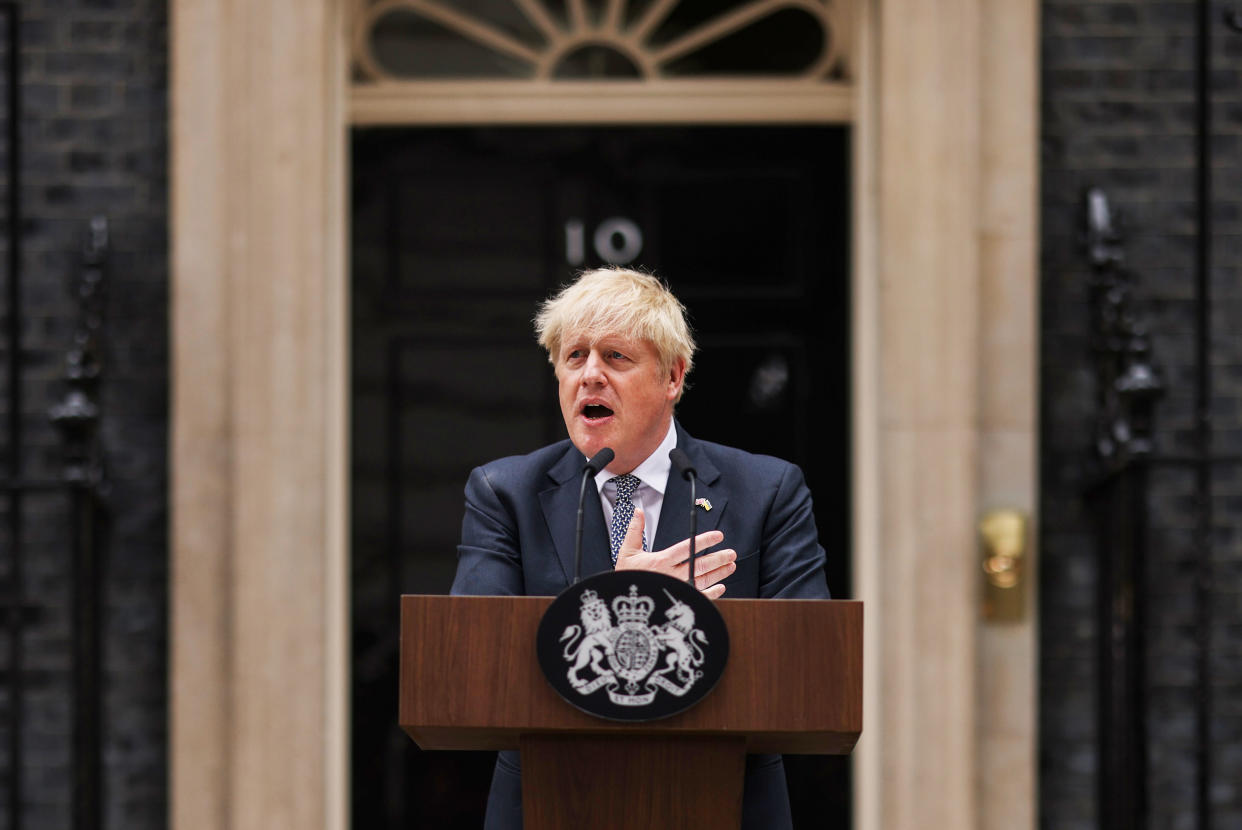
x: 612, y: 341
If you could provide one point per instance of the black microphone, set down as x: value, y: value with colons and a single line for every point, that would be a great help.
x: 682, y: 462
x: 597, y: 462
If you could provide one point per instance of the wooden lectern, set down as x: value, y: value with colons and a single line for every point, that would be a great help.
x: 470, y: 680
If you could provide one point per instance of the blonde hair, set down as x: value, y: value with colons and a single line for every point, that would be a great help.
x: 617, y: 301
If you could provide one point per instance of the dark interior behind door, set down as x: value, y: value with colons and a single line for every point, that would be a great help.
x: 457, y: 234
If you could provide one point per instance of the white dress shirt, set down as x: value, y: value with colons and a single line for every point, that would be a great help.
x: 653, y: 473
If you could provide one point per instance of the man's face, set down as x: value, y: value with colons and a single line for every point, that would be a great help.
x: 614, y: 394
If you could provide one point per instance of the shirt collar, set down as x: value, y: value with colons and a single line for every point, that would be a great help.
x: 653, y: 472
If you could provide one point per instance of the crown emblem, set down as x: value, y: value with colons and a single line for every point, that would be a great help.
x: 633, y: 609
x: 592, y: 605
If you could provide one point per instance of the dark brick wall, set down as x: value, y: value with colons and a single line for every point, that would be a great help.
x: 94, y: 82
x: 1118, y: 111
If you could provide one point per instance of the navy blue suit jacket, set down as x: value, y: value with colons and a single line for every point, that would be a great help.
x: 517, y: 539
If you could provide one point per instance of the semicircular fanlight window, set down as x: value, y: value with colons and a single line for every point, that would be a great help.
x: 571, y: 40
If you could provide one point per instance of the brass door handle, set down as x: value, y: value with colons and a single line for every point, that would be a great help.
x: 1003, y: 535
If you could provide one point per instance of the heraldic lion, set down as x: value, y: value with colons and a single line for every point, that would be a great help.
x: 596, y: 645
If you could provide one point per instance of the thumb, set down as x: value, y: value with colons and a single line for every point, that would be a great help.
x: 633, y: 535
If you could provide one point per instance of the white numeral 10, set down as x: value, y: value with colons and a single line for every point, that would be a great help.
x: 617, y: 241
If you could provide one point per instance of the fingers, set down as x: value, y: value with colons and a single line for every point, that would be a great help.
x: 705, y: 577
x: 709, y: 568
x: 718, y: 562
x: 702, y: 542
x: 707, y: 562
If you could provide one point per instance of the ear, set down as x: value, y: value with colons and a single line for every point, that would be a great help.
x: 676, y: 377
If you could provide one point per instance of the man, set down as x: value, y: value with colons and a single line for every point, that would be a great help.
x: 621, y: 350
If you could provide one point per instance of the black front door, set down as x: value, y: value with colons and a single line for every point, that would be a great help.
x: 457, y: 234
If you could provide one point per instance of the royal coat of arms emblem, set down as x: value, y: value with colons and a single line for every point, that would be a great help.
x: 633, y: 658
x: 644, y: 644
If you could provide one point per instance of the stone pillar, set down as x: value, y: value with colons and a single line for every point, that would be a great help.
x: 917, y: 414
x: 259, y: 400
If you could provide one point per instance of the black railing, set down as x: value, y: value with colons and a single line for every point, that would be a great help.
x: 1122, y: 495
x: 80, y: 484
x: 76, y: 416
x: 1126, y: 391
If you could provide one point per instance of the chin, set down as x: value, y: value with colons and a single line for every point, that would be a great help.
x: 590, y: 442
x: 586, y: 443
x: 590, y: 447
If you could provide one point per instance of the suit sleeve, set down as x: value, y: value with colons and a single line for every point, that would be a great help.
x: 489, y: 561
x: 792, y: 566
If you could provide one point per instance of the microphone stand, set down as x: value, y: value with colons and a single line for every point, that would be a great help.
x: 598, y: 462
x: 682, y: 462
x: 694, y: 519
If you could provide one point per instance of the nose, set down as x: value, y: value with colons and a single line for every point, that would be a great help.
x: 593, y: 370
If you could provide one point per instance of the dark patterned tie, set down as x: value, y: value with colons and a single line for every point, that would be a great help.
x: 622, y: 512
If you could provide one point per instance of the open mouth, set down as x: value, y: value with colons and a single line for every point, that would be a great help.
x: 595, y: 411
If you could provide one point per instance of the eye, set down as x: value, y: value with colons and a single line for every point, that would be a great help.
x: 613, y: 354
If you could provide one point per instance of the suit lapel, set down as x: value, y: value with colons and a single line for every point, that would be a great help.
x: 675, y: 511
x: 560, y: 511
